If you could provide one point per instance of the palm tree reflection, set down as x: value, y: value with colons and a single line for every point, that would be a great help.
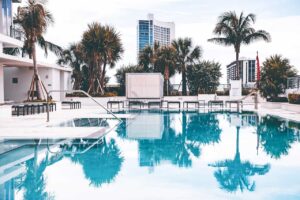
x: 101, y: 163
x: 34, y: 182
x: 234, y: 174
x: 179, y: 148
x: 275, y: 137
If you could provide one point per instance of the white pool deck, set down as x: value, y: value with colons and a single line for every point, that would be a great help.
x: 35, y: 126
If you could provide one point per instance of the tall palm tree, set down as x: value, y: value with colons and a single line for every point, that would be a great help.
x: 34, y: 20
x: 74, y: 57
x: 236, y: 30
x: 186, y: 55
x: 166, y: 64
x: 113, y: 49
x: 101, y: 46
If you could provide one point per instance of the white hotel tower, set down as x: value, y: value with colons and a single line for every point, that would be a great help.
x: 151, y: 31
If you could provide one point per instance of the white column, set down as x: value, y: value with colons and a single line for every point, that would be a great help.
x: 1, y: 84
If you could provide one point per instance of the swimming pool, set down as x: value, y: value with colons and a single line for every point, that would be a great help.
x: 161, y: 155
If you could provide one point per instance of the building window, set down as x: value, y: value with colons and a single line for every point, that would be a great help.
x: 15, y: 80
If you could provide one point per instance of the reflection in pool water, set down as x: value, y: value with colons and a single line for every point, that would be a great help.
x: 189, y: 155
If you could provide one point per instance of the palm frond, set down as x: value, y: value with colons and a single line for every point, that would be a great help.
x: 258, y: 35
x: 46, y: 45
x: 221, y: 40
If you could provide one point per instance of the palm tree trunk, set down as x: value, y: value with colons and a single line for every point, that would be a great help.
x: 166, y: 80
x: 237, y: 64
x: 237, y: 150
x: 35, y: 74
x: 102, y: 80
x: 184, y: 90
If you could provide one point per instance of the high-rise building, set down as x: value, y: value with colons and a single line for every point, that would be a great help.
x: 150, y: 31
x: 245, y: 72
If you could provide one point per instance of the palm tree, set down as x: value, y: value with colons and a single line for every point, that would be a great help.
x: 166, y: 64
x: 74, y: 57
x: 113, y: 49
x: 101, y: 46
x: 148, y: 57
x: 274, y: 75
x: 34, y: 20
x: 186, y: 55
x: 237, y: 30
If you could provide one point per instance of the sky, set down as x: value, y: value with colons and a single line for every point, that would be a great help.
x: 193, y: 18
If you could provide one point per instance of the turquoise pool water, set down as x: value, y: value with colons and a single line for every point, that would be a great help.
x: 161, y: 155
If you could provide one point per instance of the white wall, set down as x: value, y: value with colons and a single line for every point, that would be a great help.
x: 18, y: 92
x: 1, y: 85
x: 144, y: 85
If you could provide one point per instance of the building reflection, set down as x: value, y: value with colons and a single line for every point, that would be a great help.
x: 176, y: 137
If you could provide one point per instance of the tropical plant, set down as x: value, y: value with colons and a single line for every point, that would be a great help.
x: 274, y: 73
x: 121, y: 75
x: 204, y: 77
x: 234, y: 30
x: 34, y: 20
x: 186, y: 55
x: 166, y: 64
x: 102, y: 47
x: 148, y: 57
x: 73, y: 56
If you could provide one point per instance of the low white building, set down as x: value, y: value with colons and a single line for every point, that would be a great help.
x: 246, y: 72
x: 16, y: 72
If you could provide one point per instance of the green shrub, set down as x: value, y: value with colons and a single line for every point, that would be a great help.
x: 294, y: 98
x: 277, y: 99
x: 79, y: 94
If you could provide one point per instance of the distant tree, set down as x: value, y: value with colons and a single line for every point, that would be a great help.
x: 102, y: 47
x: 274, y: 74
x: 73, y: 56
x: 234, y: 30
x: 121, y: 75
x: 166, y: 65
x: 148, y: 57
x: 186, y: 55
x: 204, y: 77
x: 159, y: 59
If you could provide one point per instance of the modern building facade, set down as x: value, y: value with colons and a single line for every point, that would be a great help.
x: 150, y: 31
x: 246, y: 72
x: 16, y: 72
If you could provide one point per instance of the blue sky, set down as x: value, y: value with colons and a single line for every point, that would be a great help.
x: 193, y: 18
